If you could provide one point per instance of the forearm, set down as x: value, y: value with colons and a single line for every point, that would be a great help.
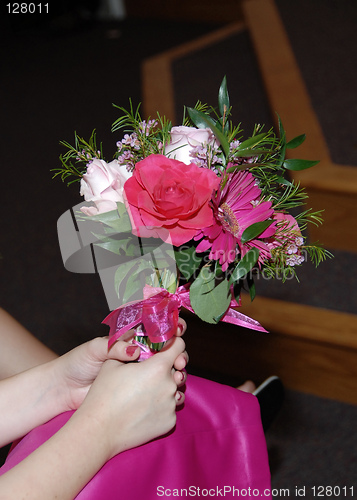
x: 27, y: 400
x: 62, y: 466
x: 141, y: 399
x: 19, y: 349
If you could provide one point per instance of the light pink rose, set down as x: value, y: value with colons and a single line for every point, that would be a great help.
x: 183, y: 139
x: 103, y: 185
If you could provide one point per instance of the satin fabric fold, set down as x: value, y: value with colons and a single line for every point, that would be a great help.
x: 216, y: 449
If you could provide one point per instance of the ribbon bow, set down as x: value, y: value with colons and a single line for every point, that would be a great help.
x: 158, y: 312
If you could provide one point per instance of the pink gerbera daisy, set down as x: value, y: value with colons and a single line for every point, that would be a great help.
x: 236, y: 206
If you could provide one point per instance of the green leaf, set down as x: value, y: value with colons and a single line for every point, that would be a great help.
x: 251, y: 286
x: 133, y: 285
x: 251, y: 142
x: 237, y: 288
x: 295, y: 164
x: 209, y: 302
x: 255, y: 230
x: 282, y: 180
x: 217, y: 269
x: 223, y: 98
x: 121, y: 272
x: 202, y: 120
x: 112, y: 244
x: 247, y: 153
x: 282, y: 142
x: 187, y: 261
x: 281, y: 130
x: 296, y: 142
x: 117, y: 219
x: 245, y: 265
x: 168, y: 280
x: 131, y: 277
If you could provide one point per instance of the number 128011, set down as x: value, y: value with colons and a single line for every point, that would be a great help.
x: 27, y: 8
x: 335, y: 491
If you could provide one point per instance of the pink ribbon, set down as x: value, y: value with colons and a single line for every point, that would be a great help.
x: 158, y: 312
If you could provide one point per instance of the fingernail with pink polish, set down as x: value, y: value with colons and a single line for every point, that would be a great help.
x: 130, y: 350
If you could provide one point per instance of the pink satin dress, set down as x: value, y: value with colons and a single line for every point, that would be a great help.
x: 217, y: 449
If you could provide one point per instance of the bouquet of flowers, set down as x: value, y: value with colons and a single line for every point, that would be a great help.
x: 191, y: 214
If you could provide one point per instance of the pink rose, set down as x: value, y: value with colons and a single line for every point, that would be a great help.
x: 183, y: 139
x: 167, y: 196
x: 289, y: 239
x: 287, y: 231
x: 103, y: 184
x: 288, y: 223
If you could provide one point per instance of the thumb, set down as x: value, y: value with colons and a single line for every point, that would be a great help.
x: 124, y: 351
x: 172, y: 349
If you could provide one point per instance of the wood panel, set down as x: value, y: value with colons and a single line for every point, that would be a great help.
x: 330, y: 186
x: 283, y: 80
x: 339, y: 214
x: 304, y: 365
x: 313, y: 350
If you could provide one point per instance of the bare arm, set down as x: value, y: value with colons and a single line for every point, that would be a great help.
x: 19, y: 349
x: 27, y: 400
x: 140, y: 397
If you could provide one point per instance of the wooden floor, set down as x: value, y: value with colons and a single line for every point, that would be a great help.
x: 312, y: 349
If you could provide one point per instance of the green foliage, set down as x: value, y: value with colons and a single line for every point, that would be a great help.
x: 317, y: 253
x: 188, y: 261
x: 296, y: 142
x: 289, y: 196
x: 201, y: 120
x: 150, y: 136
x: 255, y: 230
x: 129, y: 119
x: 296, y: 165
x: 223, y: 100
x: 76, y: 158
x: 245, y: 265
x: 209, y: 300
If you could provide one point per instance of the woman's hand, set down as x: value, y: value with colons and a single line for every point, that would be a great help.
x: 126, y: 405
x: 130, y: 404
x: 76, y: 370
